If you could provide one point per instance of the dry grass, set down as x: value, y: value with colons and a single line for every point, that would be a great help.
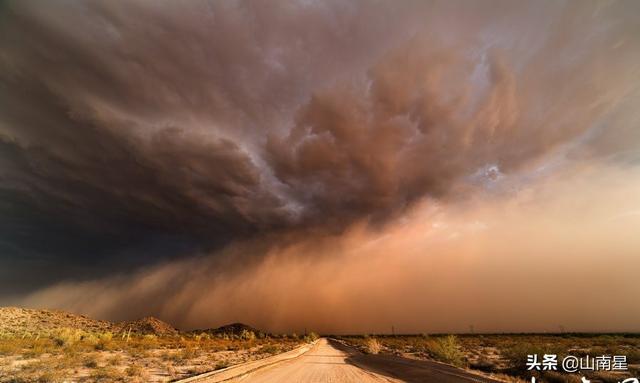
x: 372, y: 346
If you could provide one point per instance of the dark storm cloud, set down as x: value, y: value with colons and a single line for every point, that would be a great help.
x: 133, y: 132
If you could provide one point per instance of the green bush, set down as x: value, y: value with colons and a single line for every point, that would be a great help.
x: 446, y: 349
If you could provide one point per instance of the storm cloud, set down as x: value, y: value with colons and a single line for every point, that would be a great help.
x: 135, y: 133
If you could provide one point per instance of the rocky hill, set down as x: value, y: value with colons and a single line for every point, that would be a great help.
x: 231, y: 329
x: 148, y: 325
x: 234, y: 328
x: 16, y: 321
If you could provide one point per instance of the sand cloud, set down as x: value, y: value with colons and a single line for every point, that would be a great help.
x: 439, y: 269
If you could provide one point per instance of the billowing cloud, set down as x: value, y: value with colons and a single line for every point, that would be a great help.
x: 133, y: 134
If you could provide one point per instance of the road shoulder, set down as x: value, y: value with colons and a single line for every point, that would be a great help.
x: 241, y: 369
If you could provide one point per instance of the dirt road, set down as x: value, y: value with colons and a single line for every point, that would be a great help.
x: 331, y: 362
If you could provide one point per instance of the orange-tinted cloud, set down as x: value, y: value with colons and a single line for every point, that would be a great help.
x: 560, y: 253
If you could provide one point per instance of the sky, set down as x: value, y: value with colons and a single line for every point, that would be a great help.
x: 341, y: 166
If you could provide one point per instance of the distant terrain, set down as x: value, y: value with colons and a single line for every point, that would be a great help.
x: 55, y: 346
x: 20, y: 321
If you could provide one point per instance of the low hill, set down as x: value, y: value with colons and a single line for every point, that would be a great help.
x: 18, y: 321
x: 231, y: 329
x: 14, y: 320
x: 147, y: 325
x: 235, y: 328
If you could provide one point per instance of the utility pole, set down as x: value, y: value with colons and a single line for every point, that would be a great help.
x: 393, y: 330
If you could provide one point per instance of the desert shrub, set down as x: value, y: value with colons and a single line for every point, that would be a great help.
x: 68, y: 336
x: 445, y: 349
x: 34, y: 350
x: 247, y: 335
x: 115, y: 360
x: 221, y: 364
x: 189, y: 353
x: 372, y: 346
x: 201, y: 336
x: 103, y: 341
x: 90, y: 361
x: 270, y: 349
x: 106, y: 336
x: 232, y: 347
x: 484, y: 364
x: 311, y: 337
x: 139, y: 352
x: 106, y: 374
x: 169, y: 356
x: 133, y: 370
x: 102, y: 345
x: 69, y: 360
x: 214, y: 346
x: 46, y: 377
x: 90, y: 339
x: 145, y: 342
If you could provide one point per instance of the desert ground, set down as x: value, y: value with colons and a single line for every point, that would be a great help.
x: 503, y: 356
x: 55, y: 346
